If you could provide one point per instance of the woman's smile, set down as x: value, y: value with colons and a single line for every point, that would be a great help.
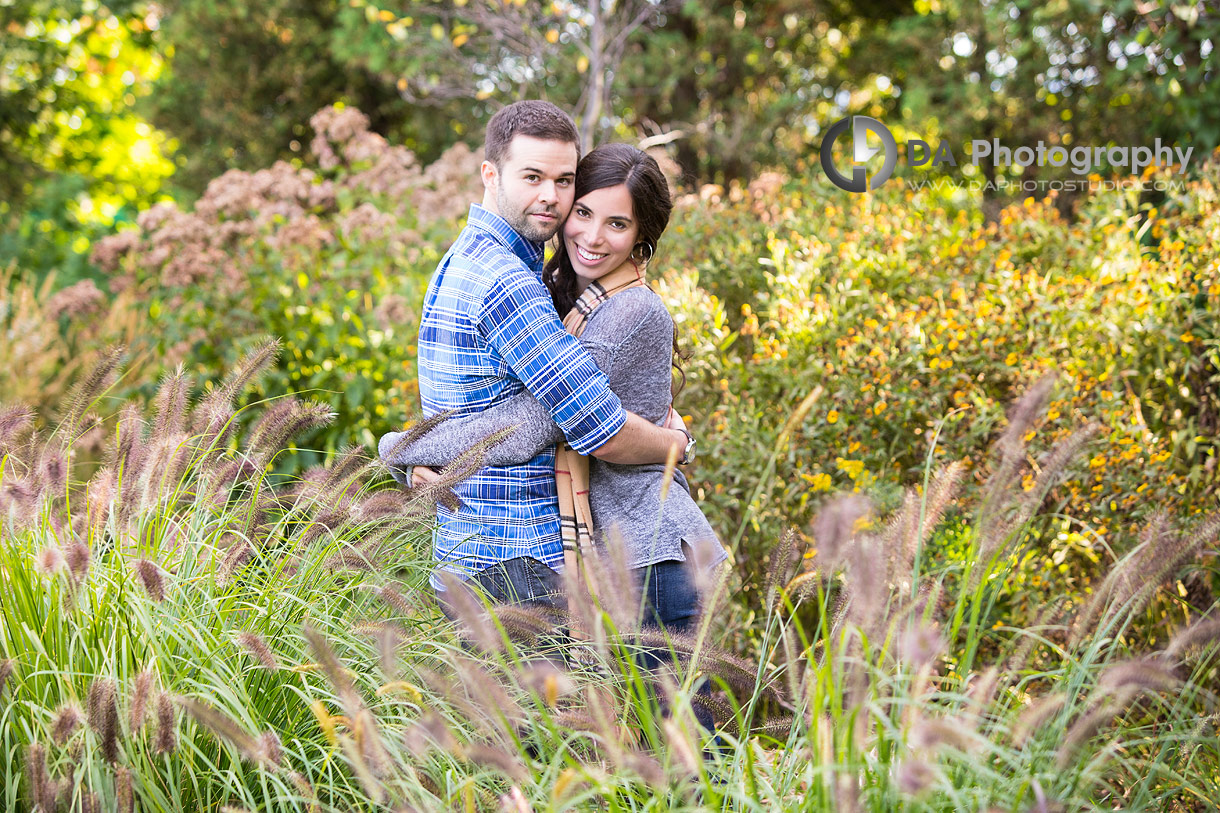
x: 601, y: 232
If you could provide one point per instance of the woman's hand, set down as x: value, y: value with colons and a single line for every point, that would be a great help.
x: 674, y: 421
x: 423, y: 475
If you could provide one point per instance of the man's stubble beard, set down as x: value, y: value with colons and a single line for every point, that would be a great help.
x: 521, y: 223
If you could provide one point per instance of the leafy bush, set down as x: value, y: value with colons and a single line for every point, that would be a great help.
x: 332, y: 261
x: 840, y: 342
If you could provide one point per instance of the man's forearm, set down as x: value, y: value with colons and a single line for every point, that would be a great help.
x: 640, y: 441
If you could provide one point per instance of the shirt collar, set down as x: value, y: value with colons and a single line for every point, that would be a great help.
x: 529, y: 252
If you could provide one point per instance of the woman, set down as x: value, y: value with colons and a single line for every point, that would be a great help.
x: 596, y: 278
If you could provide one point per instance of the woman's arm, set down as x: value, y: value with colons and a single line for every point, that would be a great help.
x: 530, y: 431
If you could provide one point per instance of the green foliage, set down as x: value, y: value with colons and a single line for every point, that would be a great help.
x: 837, y: 336
x: 333, y: 262
x: 186, y: 632
x: 1070, y: 73
x: 245, y: 79
x: 74, y: 157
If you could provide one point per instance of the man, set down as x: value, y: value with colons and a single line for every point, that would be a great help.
x: 489, y: 330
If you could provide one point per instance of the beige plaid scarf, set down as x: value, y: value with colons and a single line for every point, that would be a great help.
x: 571, y: 467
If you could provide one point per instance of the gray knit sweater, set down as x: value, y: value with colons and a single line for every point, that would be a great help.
x: 630, y: 336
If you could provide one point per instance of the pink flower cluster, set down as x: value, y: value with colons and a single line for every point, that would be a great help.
x: 294, y: 210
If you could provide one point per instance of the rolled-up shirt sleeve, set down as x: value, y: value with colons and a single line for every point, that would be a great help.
x: 519, y: 323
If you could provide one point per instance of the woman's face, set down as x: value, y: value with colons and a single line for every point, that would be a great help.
x: 600, y: 232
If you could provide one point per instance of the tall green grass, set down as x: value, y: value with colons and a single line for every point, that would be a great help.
x: 187, y: 632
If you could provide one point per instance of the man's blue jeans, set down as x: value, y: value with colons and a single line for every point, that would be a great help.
x: 670, y: 601
x: 515, y: 581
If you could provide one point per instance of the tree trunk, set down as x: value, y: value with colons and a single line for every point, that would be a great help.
x: 595, y: 85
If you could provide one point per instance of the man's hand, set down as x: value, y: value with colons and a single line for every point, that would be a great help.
x: 423, y: 475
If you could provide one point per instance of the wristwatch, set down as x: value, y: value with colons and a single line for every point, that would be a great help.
x: 688, y: 454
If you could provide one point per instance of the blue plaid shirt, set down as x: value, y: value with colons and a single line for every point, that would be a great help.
x: 489, y: 330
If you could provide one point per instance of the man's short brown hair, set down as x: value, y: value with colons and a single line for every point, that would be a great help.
x: 531, y: 118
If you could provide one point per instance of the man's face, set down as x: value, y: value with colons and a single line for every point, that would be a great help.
x: 534, y: 187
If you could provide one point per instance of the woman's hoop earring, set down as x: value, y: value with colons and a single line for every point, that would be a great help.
x: 648, y: 246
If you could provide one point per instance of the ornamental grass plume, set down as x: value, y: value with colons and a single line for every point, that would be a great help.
x: 151, y: 579
x: 85, y: 393
x: 15, y: 419
x: 906, y: 533
x: 124, y: 792
x: 256, y: 749
x: 257, y: 648
x: 104, y: 716
x: 78, y: 557
x: 1162, y: 551
x: 248, y: 368
x: 141, y: 694
x: 50, y: 559
x: 44, y: 791
x: 1202, y: 633
x: 284, y: 420
x: 171, y: 403
x: 166, y: 740
x: 65, y: 723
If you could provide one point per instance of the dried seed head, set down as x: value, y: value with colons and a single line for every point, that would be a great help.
x: 78, y: 557
x: 927, y: 733
x: 498, y: 759
x: 141, y: 692
x: 151, y: 579
x: 920, y: 645
x: 270, y: 752
x: 835, y: 525
x: 14, y: 420
x: 680, y: 745
x: 395, y: 599
x: 124, y: 793
x: 50, y: 559
x: 1089, y: 724
x: 104, y: 716
x: 6, y: 669
x: 65, y: 723
x: 914, y: 776
x: 1201, y: 633
x: 1036, y: 715
x: 167, y: 735
x: 1142, y: 673
x: 42, y: 788
x: 257, y: 648
x: 238, y: 554
x: 224, y: 727
x: 170, y: 403
x: 515, y: 802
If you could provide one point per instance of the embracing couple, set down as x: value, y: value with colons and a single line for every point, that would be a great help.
x: 575, y: 359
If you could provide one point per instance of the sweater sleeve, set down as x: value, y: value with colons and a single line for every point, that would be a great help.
x: 531, y: 425
x: 532, y: 430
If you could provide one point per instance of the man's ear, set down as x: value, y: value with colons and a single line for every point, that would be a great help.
x: 490, y: 175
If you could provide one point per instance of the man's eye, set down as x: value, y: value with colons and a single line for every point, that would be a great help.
x: 531, y: 178
x: 565, y: 181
